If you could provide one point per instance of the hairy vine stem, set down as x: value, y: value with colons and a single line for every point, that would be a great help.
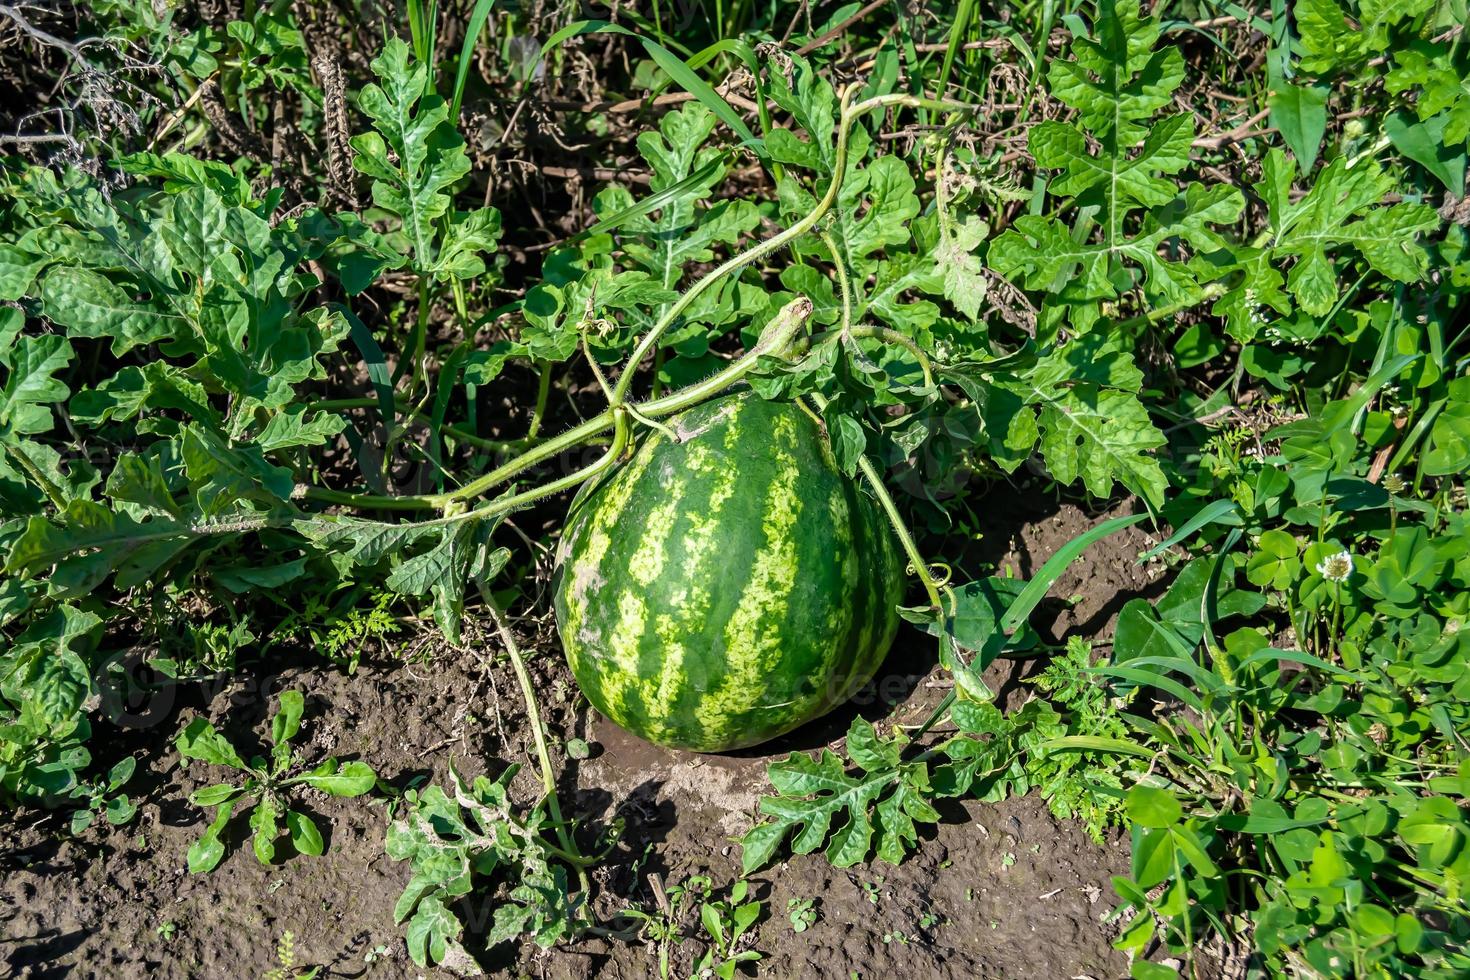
x: 870, y: 472
x: 538, y: 735
x: 776, y: 339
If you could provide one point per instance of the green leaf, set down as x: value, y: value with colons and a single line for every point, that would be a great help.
x: 1275, y: 561
x: 818, y: 804
x: 138, y: 486
x: 475, y: 832
x: 215, y: 795
x: 265, y: 828
x: 415, y: 156
x: 1427, y: 143
x: 1150, y: 807
x: 964, y: 281
x: 199, y: 740
x: 1341, y: 210
x: 294, y: 426
x: 304, y: 835
x: 1077, y: 405
x: 432, y: 932
x: 1299, y: 114
x: 287, y: 721
x: 350, y: 779
x: 463, y: 552
x: 206, y: 853
x: 1144, y: 970
x: 1153, y: 857
x: 134, y: 549
x: 1099, y: 437
x: 1120, y: 76
x: 120, y: 773
x: 1442, y: 92
x: 1449, y: 439
x: 18, y: 271
x: 682, y: 233
x: 849, y: 441
x: 80, y: 821
x: 90, y: 305
x: 1129, y: 181
x: 31, y: 385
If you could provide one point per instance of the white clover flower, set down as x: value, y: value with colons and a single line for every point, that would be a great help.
x: 1336, y: 568
x: 1394, y: 483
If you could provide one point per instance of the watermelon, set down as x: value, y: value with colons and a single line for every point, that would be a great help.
x: 721, y: 588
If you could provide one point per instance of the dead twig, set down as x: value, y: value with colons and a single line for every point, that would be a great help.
x: 836, y: 31
x: 1241, y: 132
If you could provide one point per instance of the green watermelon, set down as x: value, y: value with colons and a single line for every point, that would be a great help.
x: 719, y: 591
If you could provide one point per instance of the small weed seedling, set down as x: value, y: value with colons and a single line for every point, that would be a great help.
x: 726, y: 922
x: 286, y: 961
x: 661, y: 926
x: 96, y: 797
x: 802, y: 912
x: 267, y: 784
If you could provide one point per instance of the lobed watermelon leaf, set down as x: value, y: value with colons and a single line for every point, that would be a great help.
x: 819, y: 803
x: 681, y: 231
x: 415, y: 156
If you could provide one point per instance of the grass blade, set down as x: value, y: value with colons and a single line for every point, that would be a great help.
x: 674, y: 67
x: 956, y: 38
x: 1296, y: 657
x: 1037, y: 588
x: 1147, y: 678
x: 653, y: 201
x: 1094, y: 743
x: 1219, y: 512
x: 476, y: 24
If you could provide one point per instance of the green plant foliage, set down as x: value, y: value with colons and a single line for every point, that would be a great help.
x: 268, y: 784
x: 1117, y: 82
x: 1209, y: 258
x: 414, y: 156
x: 454, y: 845
x: 1340, y: 211
x: 662, y: 245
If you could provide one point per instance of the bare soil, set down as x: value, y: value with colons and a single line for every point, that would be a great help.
x: 995, y: 891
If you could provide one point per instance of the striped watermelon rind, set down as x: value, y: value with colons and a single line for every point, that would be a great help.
x: 717, y: 591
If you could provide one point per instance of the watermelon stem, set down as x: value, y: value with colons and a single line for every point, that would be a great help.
x: 638, y: 416
x: 543, y: 755
x: 895, y: 520
x: 900, y: 529
x: 543, y: 391
x: 607, y: 390
x: 844, y: 281
x: 849, y: 115
x: 775, y: 339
